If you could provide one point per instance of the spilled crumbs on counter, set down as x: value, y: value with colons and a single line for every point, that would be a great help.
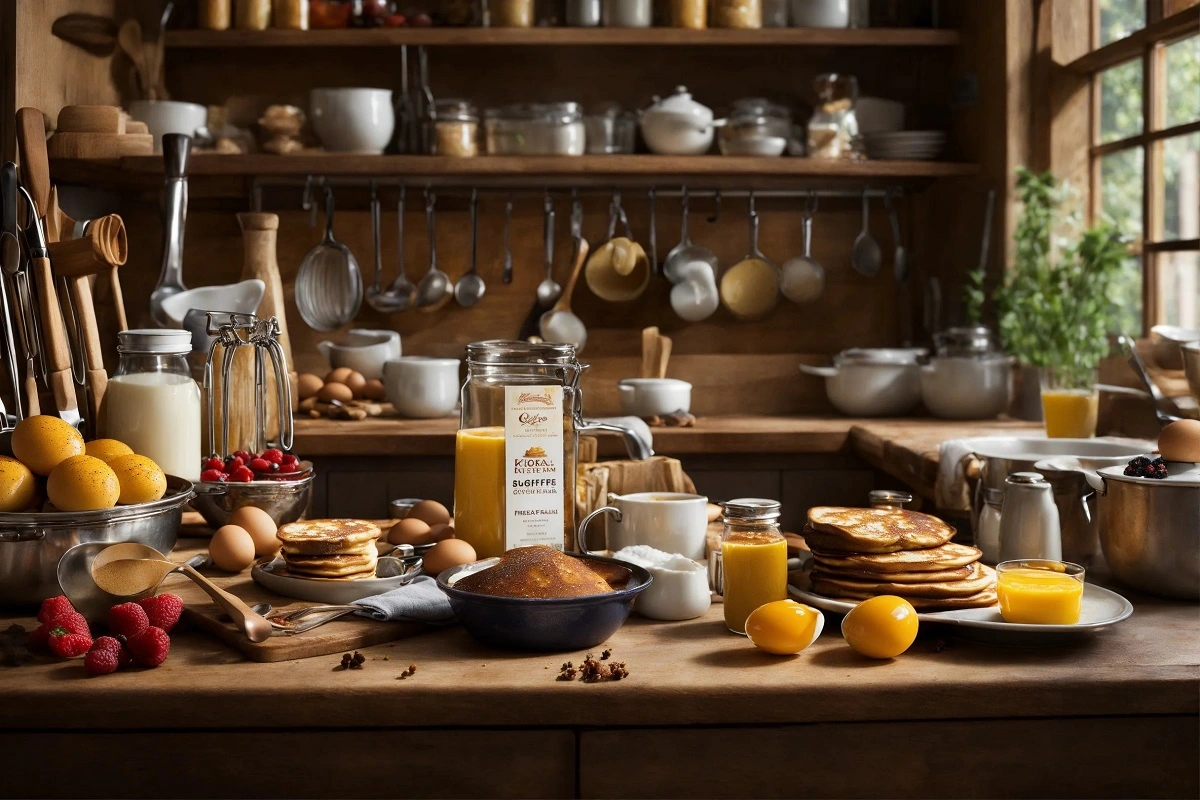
x: 412, y: 670
x: 355, y: 661
x: 593, y: 671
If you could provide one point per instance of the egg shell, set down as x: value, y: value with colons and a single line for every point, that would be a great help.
x: 261, y: 528
x: 446, y: 554
x: 335, y: 391
x: 1180, y: 441
x: 440, y: 532
x: 338, y: 375
x: 307, y: 385
x: 231, y: 548
x: 431, y: 512
x: 410, y: 531
x: 374, y: 390
x: 43, y: 442
x: 355, y: 382
x: 83, y: 483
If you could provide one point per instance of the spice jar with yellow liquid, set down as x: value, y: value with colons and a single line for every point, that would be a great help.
x: 753, y: 559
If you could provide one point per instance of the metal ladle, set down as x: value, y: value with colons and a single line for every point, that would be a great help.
x: 436, y: 287
x: 685, y: 252
x: 470, y: 287
x: 397, y: 296
x: 560, y: 323
x: 548, y: 291
x: 867, y: 255
x: 900, y: 261
x: 802, y: 279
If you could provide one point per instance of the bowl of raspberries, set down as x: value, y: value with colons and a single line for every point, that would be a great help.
x: 277, y: 482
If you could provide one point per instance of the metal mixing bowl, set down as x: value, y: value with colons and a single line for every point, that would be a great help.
x: 285, y: 501
x: 31, y: 544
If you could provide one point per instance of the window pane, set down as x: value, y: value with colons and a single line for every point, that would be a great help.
x: 1121, y: 190
x: 1182, y: 103
x: 1121, y: 101
x: 1119, y: 18
x: 1126, y: 297
x: 1181, y: 186
x: 1179, y: 288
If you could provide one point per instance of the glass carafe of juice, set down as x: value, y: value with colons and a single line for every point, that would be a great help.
x: 753, y: 559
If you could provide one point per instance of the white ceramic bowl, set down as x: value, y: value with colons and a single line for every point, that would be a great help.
x: 168, y: 116
x: 649, y: 397
x: 353, y: 120
x: 240, y: 298
x: 363, y: 351
x: 877, y: 115
x: 967, y: 388
x: 421, y: 387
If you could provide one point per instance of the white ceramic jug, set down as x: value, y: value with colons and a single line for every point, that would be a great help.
x: 1029, y: 525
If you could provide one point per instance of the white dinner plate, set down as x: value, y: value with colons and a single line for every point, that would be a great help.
x: 1101, y: 609
x: 270, y: 573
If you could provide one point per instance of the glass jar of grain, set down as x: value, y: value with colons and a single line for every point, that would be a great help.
x: 743, y: 14
x: 509, y: 13
x: 689, y: 14
x: 455, y: 129
x: 252, y: 15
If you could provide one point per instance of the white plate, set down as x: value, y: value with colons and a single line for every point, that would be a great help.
x: 1101, y: 609
x: 270, y: 575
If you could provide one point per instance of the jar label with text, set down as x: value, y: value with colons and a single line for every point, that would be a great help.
x: 533, y: 455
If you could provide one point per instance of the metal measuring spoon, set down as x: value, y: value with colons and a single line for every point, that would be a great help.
x: 470, y: 287
x: 548, y: 291
x: 900, y: 261
x: 867, y: 255
x: 435, y: 288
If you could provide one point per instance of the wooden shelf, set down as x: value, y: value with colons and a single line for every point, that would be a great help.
x: 717, y: 37
x: 635, y: 170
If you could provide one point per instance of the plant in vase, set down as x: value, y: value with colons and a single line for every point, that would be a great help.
x: 1053, y: 307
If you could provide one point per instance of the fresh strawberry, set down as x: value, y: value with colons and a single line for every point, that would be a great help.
x: 128, y: 620
x: 73, y: 622
x: 106, y: 656
x: 65, y: 644
x: 150, y: 648
x: 53, y: 608
x: 163, y: 610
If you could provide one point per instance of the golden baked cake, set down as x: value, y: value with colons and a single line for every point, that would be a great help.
x: 873, y: 530
x: 537, y: 572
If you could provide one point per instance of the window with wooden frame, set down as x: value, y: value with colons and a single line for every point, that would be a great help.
x: 1144, y: 156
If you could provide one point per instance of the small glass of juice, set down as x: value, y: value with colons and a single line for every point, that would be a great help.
x: 1070, y: 402
x: 1037, y: 592
x: 753, y: 559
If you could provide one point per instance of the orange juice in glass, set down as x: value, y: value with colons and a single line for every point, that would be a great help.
x: 479, y: 489
x: 753, y: 559
x: 1070, y: 403
x: 1039, y: 592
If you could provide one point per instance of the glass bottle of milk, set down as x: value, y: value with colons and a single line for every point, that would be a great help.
x: 152, y: 403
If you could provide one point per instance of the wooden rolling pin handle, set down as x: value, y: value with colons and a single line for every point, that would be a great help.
x: 57, y: 350
x: 81, y: 297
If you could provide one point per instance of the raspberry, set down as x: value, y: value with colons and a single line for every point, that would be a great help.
x: 65, y: 644
x: 241, y: 475
x: 288, y: 458
x: 245, y: 456
x: 233, y: 462
x: 150, y: 648
x: 273, y: 454
x: 163, y: 610
x: 74, y: 623
x: 214, y: 462
x: 105, y: 656
x: 212, y: 476
x: 260, y: 465
x: 53, y: 608
x: 128, y: 620
x: 289, y: 468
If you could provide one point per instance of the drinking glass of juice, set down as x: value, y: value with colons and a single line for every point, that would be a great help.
x: 1038, y: 592
x: 1070, y: 402
x: 753, y: 559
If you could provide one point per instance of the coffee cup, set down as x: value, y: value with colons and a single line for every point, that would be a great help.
x: 673, y: 522
x: 422, y: 387
x: 649, y: 397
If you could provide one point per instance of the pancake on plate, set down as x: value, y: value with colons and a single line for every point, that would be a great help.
x: 330, y: 549
x: 833, y: 529
x: 933, y: 559
x: 982, y: 579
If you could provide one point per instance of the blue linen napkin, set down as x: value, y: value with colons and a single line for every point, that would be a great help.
x: 420, y: 600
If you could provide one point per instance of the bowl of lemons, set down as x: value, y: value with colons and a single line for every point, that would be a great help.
x: 58, y: 490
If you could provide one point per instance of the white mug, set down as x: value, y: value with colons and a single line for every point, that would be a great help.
x: 422, y: 387
x: 673, y: 522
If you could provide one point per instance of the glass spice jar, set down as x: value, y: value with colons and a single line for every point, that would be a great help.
x: 455, y: 129
x: 510, y: 13
x: 329, y: 14
x: 689, y: 14
x: 252, y: 15
x: 743, y: 14
x: 833, y: 126
x: 213, y: 15
x: 628, y: 13
x: 753, y: 559
x: 583, y: 13
x: 291, y: 14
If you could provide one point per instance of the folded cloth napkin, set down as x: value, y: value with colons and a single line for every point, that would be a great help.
x: 951, y: 490
x: 417, y: 601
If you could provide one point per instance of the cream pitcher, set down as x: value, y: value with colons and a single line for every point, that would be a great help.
x: 1029, y: 526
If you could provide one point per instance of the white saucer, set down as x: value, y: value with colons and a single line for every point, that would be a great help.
x: 270, y: 573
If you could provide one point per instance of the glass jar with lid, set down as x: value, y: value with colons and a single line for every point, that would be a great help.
x: 833, y: 126
x: 455, y: 126
x: 688, y: 14
x: 583, y: 13
x: 972, y: 341
x: 737, y: 14
x: 152, y: 404
x: 252, y: 15
x: 628, y: 13
x: 509, y: 13
x: 889, y: 498
x: 610, y: 130
x: 535, y: 129
x: 753, y: 559
x: 755, y: 127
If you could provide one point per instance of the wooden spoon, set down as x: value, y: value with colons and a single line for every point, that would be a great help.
x: 129, y: 36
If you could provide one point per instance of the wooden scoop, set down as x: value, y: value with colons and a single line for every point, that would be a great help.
x: 656, y: 353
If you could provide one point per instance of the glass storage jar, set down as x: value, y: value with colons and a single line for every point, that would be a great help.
x: 291, y: 14
x: 833, y: 126
x: 535, y: 129
x: 775, y: 13
x: 583, y: 13
x: 610, y: 130
x: 455, y: 129
x: 213, y: 15
x: 152, y: 404
x: 688, y: 14
x: 509, y: 13
x: 252, y: 15
x: 753, y: 559
x: 737, y: 14
x: 755, y: 127
x: 628, y: 13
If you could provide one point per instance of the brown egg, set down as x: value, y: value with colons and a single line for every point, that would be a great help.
x: 231, y: 549
x: 374, y: 390
x: 431, y: 512
x: 446, y: 554
x: 308, y: 385
x: 261, y: 528
x: 335, y: 391
x: 410, y: 531
x: 338, y: 375
x: 355, y: 382
x: 1180, y: 441
x: 440, y: 532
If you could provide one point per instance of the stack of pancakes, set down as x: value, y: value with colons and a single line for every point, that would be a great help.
x: 859, y: 553
x: 330, y: 549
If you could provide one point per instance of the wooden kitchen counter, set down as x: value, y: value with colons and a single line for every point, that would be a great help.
x: 703, y: 713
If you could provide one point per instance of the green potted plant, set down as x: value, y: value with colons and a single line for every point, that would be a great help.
x: 1052, y: 307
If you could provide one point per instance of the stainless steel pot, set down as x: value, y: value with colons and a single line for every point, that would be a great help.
x: 285, y: 501
x: 32, y: 544
x: 1150, y: 530
x: 872, y: 382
